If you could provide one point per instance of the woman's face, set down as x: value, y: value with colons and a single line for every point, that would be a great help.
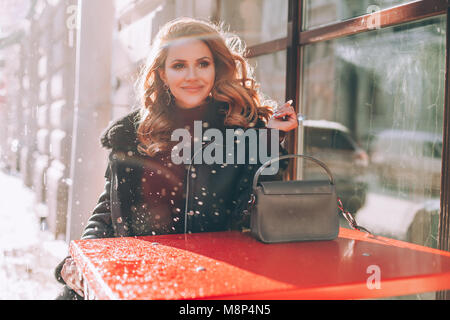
x: 189, y: 72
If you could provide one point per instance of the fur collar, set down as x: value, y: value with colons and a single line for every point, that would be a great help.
x: 121, y: 133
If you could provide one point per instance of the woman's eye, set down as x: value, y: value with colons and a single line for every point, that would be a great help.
x: 204, y: 64
x: 178, y: 66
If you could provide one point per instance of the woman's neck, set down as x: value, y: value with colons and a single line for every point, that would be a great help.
x: 203, y: 104
x: 186, y: 116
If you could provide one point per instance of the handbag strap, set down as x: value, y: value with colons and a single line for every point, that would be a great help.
x: 347, y: 215
x: 320, y: 163
x: 350, y: 219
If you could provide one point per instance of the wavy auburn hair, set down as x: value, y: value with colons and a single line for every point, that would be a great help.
x: 233, y: 84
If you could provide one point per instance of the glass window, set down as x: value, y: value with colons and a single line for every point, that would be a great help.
x: 134, y: 40
x: 322, y: 12
x: 327, y: 139
x: 255, y: 21
x: 270, y: 73
x: 384, y: 91
x: 123, y: 5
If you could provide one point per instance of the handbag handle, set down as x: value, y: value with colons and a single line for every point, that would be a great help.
x: 320, y: 163
x: 347, y: 215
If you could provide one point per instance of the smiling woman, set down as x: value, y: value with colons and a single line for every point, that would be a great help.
x: 192, y: 63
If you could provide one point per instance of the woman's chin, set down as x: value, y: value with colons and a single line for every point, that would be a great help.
x: 191, y: 103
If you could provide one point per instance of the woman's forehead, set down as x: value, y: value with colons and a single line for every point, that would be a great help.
x: 188, y: 50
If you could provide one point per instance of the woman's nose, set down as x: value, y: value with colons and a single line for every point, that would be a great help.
x: 191, y: 73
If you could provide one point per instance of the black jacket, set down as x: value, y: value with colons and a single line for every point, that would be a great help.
x: 131, y: 205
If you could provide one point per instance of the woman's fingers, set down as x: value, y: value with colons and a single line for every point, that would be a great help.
x: 285, y: 119
x: 285, y: 110
x: 71, y: 276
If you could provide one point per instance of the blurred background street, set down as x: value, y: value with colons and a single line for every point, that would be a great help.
x: 28, y: 254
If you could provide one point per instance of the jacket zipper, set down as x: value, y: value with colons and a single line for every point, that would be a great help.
x: 188, y: 175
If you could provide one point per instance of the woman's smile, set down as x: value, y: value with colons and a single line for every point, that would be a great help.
x: 192, y: 89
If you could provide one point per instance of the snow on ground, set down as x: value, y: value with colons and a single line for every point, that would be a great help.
x: 28, y: 255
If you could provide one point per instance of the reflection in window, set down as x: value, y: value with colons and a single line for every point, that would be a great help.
x: 332, y: 143
x: 331, y: 139
x: 386, y: 87
x: 256, y: 21
x: 322, y: 12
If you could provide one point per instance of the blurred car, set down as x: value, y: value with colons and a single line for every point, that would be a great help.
x: 332, y: 143
x: 408, y: 159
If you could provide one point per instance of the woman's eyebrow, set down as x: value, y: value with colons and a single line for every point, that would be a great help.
x: 181, y: 60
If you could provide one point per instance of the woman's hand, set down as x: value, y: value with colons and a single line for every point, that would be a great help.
x: 72, y: 277
x: 287, y: 112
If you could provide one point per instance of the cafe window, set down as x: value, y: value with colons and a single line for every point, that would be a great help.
x: 383, y: 89
x: 270, y: 72
x: 255, y: 21
x: 373, y: 74
x: 386, y: 87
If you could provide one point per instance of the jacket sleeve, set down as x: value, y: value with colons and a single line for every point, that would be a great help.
x: 99, y: 224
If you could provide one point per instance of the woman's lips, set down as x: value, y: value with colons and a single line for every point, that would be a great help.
x: 192, y: 89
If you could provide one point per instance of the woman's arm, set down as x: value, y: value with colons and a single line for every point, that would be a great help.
x: 99, y: 226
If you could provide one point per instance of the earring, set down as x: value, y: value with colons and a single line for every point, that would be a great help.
x: 209, y: 98
x: 168, y: 94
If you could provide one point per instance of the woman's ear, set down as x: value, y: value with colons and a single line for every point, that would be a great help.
x: 162, y: 75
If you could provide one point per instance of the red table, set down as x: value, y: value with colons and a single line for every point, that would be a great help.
x: 233, y: 265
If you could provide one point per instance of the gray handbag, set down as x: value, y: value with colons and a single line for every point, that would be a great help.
x: 304, y: 210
